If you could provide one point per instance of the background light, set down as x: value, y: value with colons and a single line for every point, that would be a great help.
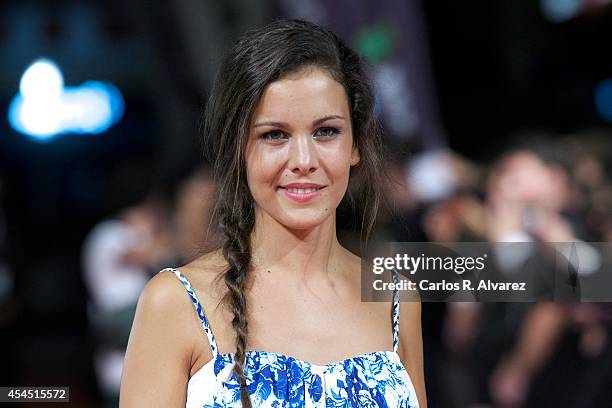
x: 603, y: 99
x: 44, y: 108
x: 42, y: 79
x: 559, y: 11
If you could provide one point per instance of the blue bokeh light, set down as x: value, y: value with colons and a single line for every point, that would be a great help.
x: 44, y: 108
x: 560, y: 11
x: 603, y: 99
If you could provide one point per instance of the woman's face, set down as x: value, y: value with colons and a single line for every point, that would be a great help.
x: 300, y: 149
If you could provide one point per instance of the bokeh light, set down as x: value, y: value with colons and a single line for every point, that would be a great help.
x: 44, y: 108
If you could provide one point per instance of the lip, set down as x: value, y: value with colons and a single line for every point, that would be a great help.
x: 302, y: 197
x: 303, y: 185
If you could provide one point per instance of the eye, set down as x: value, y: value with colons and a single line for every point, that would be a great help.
x: 327, y: 132
x: 274, y: 136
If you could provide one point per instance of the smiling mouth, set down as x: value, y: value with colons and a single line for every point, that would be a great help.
x: 302, y: 195
x: 302, y: 190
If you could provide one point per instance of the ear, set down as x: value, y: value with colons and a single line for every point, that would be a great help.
x: 355, y: 156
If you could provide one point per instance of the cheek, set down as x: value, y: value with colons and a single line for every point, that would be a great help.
x: 262, y: 172
x: 339, y: 162
x: 341, y: 170
x: 338, y: 170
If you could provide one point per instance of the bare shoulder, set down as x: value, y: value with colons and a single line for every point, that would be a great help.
x: 203, y: 274
x: 161, y: 292
x: 163, y: 310
x: 167, y: 344
x: 160, y: 347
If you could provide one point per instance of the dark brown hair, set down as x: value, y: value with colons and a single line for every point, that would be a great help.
x: 258, y: 58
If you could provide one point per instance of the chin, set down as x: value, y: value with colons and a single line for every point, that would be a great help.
x: 304, y: 220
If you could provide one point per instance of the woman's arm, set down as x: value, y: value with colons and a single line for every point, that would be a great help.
x: 410, y: 347
x: 158, y: 357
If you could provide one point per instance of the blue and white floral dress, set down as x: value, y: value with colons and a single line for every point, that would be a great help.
x: 376, y: 379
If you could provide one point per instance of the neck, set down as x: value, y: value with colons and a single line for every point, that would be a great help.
x: 307, y: 253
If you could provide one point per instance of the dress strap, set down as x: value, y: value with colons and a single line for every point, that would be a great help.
x: 395, y: 313
x: 198, y: 308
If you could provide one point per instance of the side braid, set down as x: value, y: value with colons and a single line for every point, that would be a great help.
x: 236, y: 227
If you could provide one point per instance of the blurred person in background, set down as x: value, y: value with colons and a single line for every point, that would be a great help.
x: 192, y: 215
x: 588, y: 152
x: 119, y: 256
x: 524, y: 200
x: 527, y: 201
x: 558, y: 345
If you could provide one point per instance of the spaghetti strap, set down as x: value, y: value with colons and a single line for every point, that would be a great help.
x: 198, y: 308
x: 395, y: 313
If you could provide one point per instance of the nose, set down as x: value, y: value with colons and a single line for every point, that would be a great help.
x: 303, y: 156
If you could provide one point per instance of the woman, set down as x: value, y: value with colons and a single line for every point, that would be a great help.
x: 290, y: 122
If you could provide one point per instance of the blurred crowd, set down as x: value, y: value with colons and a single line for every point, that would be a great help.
x: 544, y: 189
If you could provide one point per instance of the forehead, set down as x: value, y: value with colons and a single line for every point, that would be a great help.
x: 302, y: 96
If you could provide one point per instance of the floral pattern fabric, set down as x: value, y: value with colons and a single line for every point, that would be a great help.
x: 376, y: 379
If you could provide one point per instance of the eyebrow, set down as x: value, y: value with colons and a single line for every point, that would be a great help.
x: 284, y: 125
